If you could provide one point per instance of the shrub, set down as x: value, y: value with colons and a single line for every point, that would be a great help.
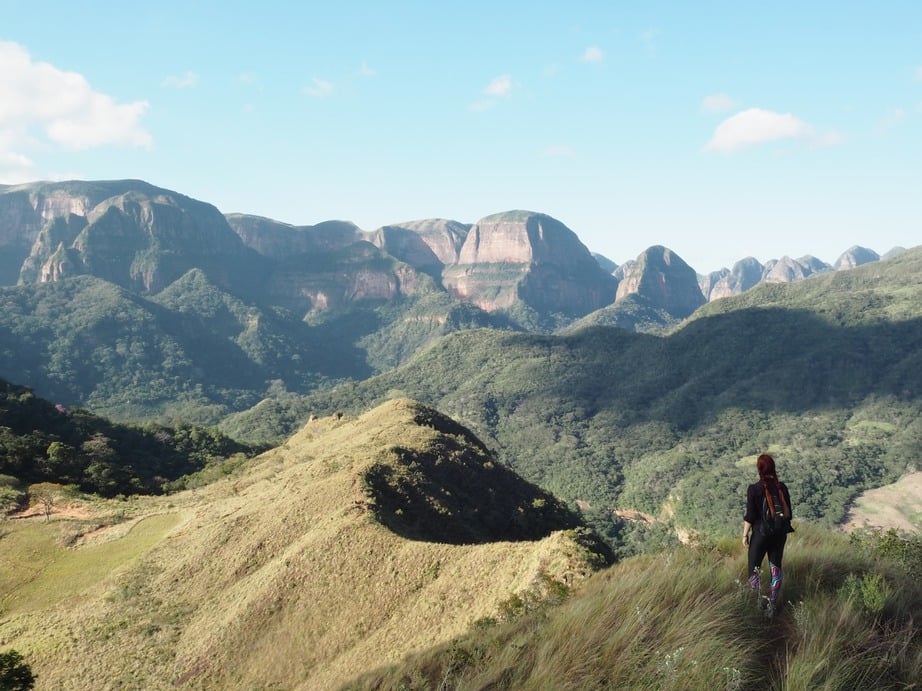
x: 15, y: 675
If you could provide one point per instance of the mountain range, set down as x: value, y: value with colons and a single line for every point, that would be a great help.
x: 141, y: 304
x: 112, y: 280
x: 143, y: 238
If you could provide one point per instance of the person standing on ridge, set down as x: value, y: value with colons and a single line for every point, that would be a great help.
x: 768, y: 503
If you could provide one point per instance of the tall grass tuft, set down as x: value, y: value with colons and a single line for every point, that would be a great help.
x: 686, y: 619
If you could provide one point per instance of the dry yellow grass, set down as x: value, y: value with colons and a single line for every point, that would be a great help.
x: 898, y: 505
x: 279, y: 577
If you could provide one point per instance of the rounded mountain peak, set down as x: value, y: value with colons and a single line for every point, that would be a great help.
x: 522, y: 237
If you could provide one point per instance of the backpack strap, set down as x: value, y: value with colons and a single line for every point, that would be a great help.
x: 768, y: 498
x: 771, y: 504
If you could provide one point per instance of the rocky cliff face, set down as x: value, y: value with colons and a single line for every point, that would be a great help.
x: 745, y: 274
x: 280, y: 240
x: 665, y: 281
x: 787, y: 270
x: 128, y: 232
x: 855, y: 256
x: 532, y: 258
x: 429, y: 245
x: 334, y: 280
x: 143, y: 237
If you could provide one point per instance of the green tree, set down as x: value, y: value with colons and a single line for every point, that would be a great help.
x: 15, y: 675
x: 46, y: 494
x: 61, y: 463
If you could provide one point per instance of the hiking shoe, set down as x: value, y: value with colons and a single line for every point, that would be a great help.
x: 762, y: 603
x: 771, y: 610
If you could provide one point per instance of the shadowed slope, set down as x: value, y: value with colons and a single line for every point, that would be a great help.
x: 447, y: 488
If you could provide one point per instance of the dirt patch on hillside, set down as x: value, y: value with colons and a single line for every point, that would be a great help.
x: 896, y: 506
x: 76, y: 512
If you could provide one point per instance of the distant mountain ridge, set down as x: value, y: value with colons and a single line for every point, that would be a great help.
x: 143, y: 237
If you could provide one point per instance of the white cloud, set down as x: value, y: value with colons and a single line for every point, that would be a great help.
x: 717, y: 103
x: 42, y: 106
x: 319, y: 88
x: 592, y: 54
x: 15, y: 167
x: 365, y: 70
x: 247, y: 78
x: 756, y: 126
x: 559, y: 151
x: 919, y: 73
x: 188, y: 80
x: 501, y: 86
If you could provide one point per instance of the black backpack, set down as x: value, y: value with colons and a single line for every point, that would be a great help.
x: 776, y: 514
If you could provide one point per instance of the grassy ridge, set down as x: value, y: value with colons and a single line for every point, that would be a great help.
x: 685, y: 619
x: 283, y: 573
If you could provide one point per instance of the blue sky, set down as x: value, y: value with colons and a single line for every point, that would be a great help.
x: 718, y: 129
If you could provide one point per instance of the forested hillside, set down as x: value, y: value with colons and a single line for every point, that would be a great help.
x: 825, y: 374
x: 41, y: 442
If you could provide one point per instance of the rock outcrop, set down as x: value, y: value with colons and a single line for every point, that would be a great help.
x: 521, y: 256
x: 334, y: 280
x: 787, y: 270
x: 278, y: 240
x: 855, y: 256
x: 127, y: 232
x: 429, y: 245
x: 665, y: 281
x: 744, y: 275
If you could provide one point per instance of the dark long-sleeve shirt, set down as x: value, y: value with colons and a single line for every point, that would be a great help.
x: 754, y: 495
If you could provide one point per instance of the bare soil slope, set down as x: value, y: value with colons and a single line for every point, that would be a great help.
x: 896, y: 506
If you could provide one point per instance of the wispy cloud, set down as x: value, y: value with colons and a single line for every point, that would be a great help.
x: 42, y: 106
x: 919, y: 73
x: 186, y: 81
x: 319, y: 88
x: 501, y: 86
x: 592, y: 54
x: 365, y: 70
x: 756, y: 126
x: 498, y: 88
x: 247, y: 78
x: 717, y: 103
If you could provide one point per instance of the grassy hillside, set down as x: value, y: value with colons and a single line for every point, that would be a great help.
x: 825, y: 374
x: 286, y: 574
x: 683, y: 619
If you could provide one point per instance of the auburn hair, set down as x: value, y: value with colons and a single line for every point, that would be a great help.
x: 765, y: 464
x: 766, y: 467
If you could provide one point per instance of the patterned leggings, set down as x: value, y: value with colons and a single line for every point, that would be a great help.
x: 759, y: 546
x: 755, y: 581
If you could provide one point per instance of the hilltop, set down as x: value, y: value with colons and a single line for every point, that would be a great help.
x: 356, y: 542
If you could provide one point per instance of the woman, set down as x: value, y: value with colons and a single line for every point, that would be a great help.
x: 759, y: 545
